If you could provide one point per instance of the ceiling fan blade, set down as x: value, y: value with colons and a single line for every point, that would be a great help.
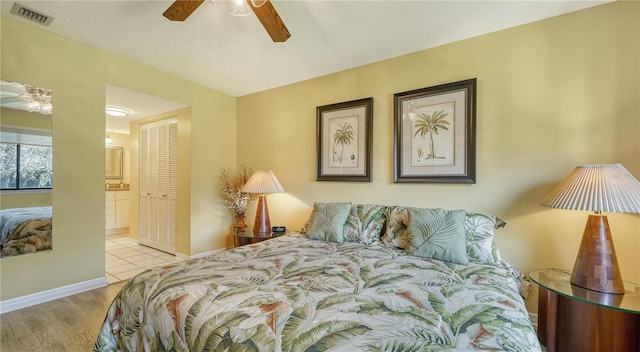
x: 181, y: 9
x: 271, y: 21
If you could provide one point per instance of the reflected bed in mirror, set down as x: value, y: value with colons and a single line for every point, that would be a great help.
x: 26, y: 169
x: 25, y: 230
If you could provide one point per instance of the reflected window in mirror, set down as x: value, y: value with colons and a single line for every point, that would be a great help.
x: 26, y: 157
x: 25, y: 169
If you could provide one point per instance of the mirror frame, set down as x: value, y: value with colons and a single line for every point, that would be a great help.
x: 110, y: 152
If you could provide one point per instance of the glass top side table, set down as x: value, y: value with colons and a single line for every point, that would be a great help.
x: 245, y: 235
x: 571, y: 318
x: 558, y: 281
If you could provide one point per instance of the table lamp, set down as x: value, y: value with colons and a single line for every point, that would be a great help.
x: 598, y: 188
x: 262, y: 182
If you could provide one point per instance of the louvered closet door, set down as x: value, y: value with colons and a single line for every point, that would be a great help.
x: 145, y: 191
x: 158, y: 197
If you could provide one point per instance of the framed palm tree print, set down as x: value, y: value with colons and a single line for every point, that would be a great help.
x: 434, y: 134
x: 343, y: 141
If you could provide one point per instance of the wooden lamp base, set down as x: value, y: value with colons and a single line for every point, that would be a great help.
x: 262, y: 224
x: 596, y: 267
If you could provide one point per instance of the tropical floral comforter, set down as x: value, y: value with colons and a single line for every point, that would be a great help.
x: 296, y: 294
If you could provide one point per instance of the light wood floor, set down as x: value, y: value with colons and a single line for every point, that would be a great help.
x: 68, y: 324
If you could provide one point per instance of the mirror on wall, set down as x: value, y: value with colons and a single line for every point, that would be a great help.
x: 113, y: 163
x: 26, y: 171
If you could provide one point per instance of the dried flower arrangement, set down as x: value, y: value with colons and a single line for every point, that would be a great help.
x: 236, y: 199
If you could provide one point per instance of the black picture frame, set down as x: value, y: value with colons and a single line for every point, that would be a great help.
x: 446, y: 112
x: 344, y: 141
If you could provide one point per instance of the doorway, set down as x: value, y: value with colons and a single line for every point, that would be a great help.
x: 124, y: 251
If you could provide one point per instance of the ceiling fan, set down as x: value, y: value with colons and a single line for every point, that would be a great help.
x: 263, y: 9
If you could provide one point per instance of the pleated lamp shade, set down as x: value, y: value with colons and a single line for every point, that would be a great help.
x: 598, y: 188
x: 262, y: 182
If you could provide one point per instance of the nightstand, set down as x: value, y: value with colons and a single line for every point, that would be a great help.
x: 571, y: 318
x: 245, y: 235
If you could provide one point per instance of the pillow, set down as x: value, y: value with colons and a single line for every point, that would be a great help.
x: 437, y: 234
x: 479, y: 230
x: 327, y: 221
x: 365, y: 223
x: 305, y: 227
x: 396, y: 229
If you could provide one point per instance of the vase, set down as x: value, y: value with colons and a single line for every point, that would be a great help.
x: 239, y: 220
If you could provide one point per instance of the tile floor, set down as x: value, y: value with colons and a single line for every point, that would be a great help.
x: 125, y: 258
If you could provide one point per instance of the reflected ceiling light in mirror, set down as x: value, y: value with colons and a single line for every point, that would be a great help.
x: 37, y: 100
x: 116, y: 111
x: 46, y: 109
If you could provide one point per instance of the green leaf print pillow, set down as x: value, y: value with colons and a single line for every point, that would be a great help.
x: 437, y: 234
x: 327, y: 221
x: 479, y: 230
x: 365, y: 223
x: 396, y: 229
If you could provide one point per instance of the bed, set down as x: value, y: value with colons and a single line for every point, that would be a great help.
x: 309, y: 291
x: 25, y: 230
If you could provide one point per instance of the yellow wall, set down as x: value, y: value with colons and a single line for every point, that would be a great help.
x: 12, y: 199
x: 14, y: 117
x: 551, y: 95
x: 77, y: 74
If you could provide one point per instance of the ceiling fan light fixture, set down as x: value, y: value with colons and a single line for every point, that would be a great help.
x: 116, y: 111
x: 263, y: 9
x: 239, y: 8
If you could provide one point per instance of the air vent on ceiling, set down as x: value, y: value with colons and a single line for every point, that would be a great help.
x: 30, y: 14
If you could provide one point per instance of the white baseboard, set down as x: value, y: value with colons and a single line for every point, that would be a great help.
x: 182, y: 256
x: 12, y: 304
x: 199, y: 255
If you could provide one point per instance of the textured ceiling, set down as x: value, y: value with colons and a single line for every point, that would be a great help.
x: 140, y: 105
x: 236, y: 56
